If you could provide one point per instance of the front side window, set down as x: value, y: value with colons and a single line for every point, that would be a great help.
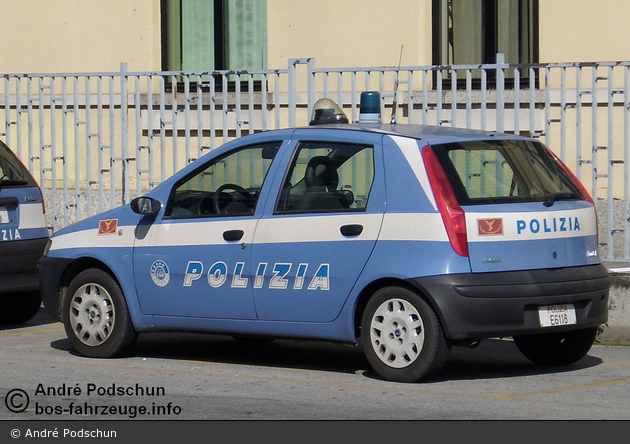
x: 228, y: 186
x: 328, y: 176
x: 505, y: 171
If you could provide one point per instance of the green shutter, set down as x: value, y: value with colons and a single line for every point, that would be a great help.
x: 467, y: 32
x: 508, y: 30
x: 246, y: 34
x: 173, y: 56
x: 197, y: 35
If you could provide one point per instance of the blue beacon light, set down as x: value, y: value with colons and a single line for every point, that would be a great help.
x: 370, y: 107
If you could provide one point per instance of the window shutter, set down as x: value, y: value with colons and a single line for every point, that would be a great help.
x: 246, y: 34
x: 197, y: 35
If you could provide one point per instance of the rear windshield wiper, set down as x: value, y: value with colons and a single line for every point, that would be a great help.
x: 552, y: 198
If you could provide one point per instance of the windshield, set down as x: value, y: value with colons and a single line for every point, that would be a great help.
x: 504, y: 171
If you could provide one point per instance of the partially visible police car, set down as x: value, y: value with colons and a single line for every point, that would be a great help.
x: 404, y: 239
x: 23, y: 237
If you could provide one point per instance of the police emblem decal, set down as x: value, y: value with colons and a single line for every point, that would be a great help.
x: 490, y: 227
x: 160, y: 273
x: 107, y: 226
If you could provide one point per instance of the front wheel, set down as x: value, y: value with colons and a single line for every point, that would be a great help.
x: 562, y: 348
x: 402, y: 337
x: 95, y: 315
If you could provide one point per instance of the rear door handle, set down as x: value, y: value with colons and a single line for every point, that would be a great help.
x: 233, y: 235
x: 351, y: 230
x: 8, y: 201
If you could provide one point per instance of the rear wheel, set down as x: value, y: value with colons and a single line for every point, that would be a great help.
x: 95, y: 315
x: 562, y: 348
x: 20, y: 307
x: 402, y: 337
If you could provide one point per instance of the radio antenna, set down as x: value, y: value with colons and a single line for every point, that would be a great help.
x: 393, y: 121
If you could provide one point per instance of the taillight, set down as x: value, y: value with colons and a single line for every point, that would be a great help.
x: 452, y: 214
x: 41, y: 195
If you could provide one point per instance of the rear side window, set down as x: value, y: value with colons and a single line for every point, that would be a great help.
x: 12, y: 171
x: 328, y: 177
x: 504, y: 171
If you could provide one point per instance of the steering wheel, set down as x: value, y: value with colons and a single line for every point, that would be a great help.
x: 216, y: 199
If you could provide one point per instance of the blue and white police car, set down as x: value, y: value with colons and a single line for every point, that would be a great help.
x: 23, y: 238
x: 404, y: 239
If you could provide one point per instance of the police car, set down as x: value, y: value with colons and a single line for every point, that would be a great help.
x: 404, y: 239
x: 23, y: 237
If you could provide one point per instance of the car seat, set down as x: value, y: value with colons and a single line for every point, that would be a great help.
x: 321, y: 180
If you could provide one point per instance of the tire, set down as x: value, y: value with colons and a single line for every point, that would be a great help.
x: 562, y: 348
x: 95, y: 315
x: 20, y: 307
x: 402, y: 337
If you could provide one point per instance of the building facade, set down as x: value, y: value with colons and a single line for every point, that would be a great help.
x: 56, y: 36
x: 105, y: 98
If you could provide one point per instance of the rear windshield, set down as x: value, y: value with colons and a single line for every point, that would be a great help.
x: 504, y: 171
x: 12, y: 171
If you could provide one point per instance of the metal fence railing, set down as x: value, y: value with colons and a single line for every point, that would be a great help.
x: 96, y: 140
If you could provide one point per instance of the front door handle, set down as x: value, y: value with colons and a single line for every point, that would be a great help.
x: 233, y: 235
x: 351, y: 230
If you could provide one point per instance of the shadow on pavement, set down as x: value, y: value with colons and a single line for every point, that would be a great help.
x: 41, y: 318
x: 493, y: 358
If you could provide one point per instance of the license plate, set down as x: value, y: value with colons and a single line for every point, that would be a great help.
x: 554, y: 315
x: 4, y: 216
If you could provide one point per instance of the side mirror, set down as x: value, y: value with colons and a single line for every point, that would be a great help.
x: 146, y: 206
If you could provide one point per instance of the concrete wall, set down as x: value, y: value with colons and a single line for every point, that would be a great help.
x: 48, y: 36
x: 350, y: 33
x: 45, y: 36
x: 584, y: 30
x: 618, y: 328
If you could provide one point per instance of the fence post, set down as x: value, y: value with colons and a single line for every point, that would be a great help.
x: 500, y: 79
x: 292, y: 101
x: 124, y: 129
x: 292, y: 86
x: 310, y: 86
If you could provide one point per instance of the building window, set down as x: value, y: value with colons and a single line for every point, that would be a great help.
x: 212, y: 35
x: 474, y: 31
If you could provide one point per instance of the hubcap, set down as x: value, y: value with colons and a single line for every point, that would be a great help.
x: 92, y: 314
x: 397, y: 333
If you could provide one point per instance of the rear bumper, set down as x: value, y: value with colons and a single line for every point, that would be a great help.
x: 18, y: 264
x: 482, y: 305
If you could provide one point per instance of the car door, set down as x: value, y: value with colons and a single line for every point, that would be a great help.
x: 314, y: 239
x: 192, y: 261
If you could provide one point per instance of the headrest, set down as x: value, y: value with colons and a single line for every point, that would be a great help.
x: 321, y: 172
